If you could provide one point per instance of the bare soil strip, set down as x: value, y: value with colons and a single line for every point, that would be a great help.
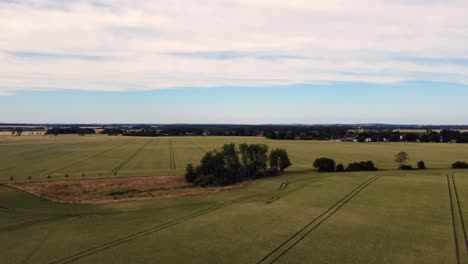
x: 297, y: 237
x: 115, y: 190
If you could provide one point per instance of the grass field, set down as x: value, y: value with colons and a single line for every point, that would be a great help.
x: 104, y: 156
x: 303, y: 216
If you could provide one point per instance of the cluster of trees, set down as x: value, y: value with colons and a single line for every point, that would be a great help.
x: 230, y: 164
x: 460, y: 165
x: 112, y: 131
x: 328, y: 165
x: 70, y: 130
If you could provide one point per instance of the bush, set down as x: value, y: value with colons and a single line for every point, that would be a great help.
x: 190, y: 174
x: 324, y: 164
x: 421, y: 165
x: 339, y: 167
x: 361, y: 166
x: 204, y: 180
x: 406, y: 167
x: 460, y: 165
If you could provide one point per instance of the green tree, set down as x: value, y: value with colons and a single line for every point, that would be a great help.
x: 279, y: 160
x: 324, y: 164
x: 254, y: 159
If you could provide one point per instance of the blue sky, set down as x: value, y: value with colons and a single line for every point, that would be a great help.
x: 417, y: 102
x: 234, y: 61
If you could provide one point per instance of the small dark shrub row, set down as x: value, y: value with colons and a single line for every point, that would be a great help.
x: 421, y: 166
x: 362, y: 166
x: 328, y: 165
x: 460, y: 165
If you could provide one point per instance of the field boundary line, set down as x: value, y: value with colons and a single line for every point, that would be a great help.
x: 129, y: 158
x: 325, y: 215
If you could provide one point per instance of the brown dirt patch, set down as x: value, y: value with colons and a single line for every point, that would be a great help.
x: 115, y: 190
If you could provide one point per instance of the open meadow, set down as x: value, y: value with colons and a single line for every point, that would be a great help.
x: 303, y: 216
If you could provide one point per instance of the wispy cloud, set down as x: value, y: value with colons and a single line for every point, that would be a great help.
x: 123, y: 45
x: 55, y: 56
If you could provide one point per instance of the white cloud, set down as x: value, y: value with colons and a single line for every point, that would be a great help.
x: 166, y: 44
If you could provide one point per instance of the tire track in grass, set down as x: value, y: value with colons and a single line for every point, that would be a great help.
x: 455, y: 237
x: 35, y: 222
x: 127, y: 160
x: 275, y: 198
x: 27, y: 213
x: 148, y: 231
x: 457, y: 215
x: 462, y: 221
x: 83, y: 159
x: 297, y: 237
x: 171, y: 157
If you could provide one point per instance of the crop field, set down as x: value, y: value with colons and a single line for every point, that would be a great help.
x: 387, y: 216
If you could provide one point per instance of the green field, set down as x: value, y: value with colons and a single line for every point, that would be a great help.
x: 303, y: 216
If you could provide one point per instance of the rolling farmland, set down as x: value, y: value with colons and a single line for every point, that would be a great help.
x: 387, y: 216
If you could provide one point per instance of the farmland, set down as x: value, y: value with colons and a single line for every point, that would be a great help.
x: 387, y: 216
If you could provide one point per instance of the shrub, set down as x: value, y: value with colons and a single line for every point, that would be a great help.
x: 190, y: 174
x: 11, y: 178
x: 48, y: 176
x: 406, y: 167
x: 421, y: 165
x: 460, y: 165
x: 204, y: 180
x: 324, y: 164
x: 361, y: 166
x: 339, y: 167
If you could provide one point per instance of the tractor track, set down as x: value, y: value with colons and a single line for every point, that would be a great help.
x: 34, y: 222
x: 49, y: 218
x: 127, y: 160
x: 171, y: 158
x: 297, y: 237
x: 83, y: 159
x: 460, y: 213
x: 455, y: 202
x: 148, y: 231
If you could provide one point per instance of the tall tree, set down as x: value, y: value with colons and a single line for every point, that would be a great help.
x: 401, y: 157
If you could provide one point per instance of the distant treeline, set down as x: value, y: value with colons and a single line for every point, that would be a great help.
x: 375, y: 133
x: 428, y: 136
x: 70, y: 130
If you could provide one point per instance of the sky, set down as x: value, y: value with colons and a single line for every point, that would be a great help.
x: 236, y: 61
